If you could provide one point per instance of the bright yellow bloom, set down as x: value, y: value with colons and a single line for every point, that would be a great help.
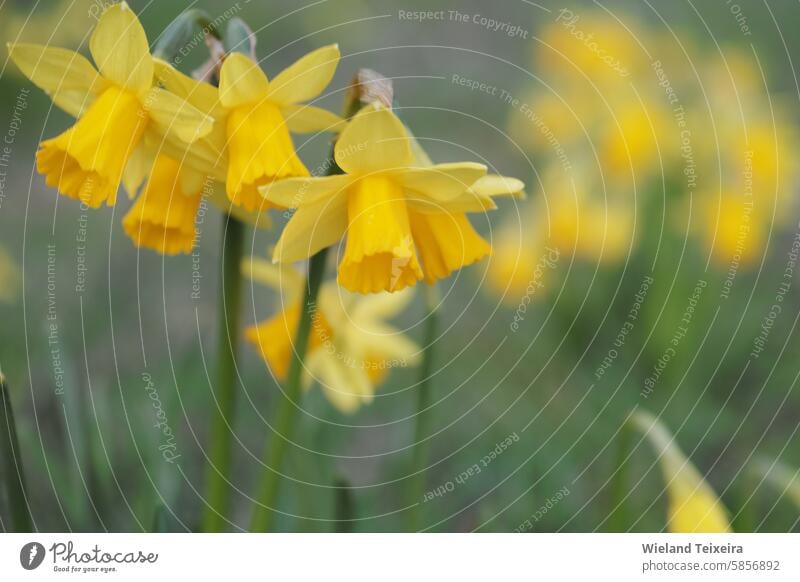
x: 116, y: 106
x: 163, y: 216
x: 351, y: 347
x: 260, y: 148
x: 371, y: 203
x: 693, y: 505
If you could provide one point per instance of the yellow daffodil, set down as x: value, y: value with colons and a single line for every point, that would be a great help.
x: 372, y: 202
x: 351, y: 347
x: 693, y: 506
x: 163, y: 216
x: 250, y: 143
x: 116, y: 105
x: 257, y: 115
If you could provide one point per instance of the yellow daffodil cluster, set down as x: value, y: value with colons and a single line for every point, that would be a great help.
x: 172, y: 140
x: 351, y: 347
x: 140, y: 121
x: 641, y: 133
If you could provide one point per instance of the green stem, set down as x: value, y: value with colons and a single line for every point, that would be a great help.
x: 225, y: 388
x: 420, y: 453
x: 344, y: 506
x: 618, y: 517
x: 11, y: 463
x: 264, y: 510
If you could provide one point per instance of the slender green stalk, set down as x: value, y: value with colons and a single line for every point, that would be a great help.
x: 618, y: 516
x: 344, y: 506
x: 284, y: 424
x: 226, y: 384
x: 422, y: 417
x: 11, y: 463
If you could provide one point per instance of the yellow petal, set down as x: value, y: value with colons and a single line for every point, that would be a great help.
x: 260, y: 150
x: 241, y: 81
x: 202, y: 95
x: 445, y: 243
x: 177, y: 116
x: 379, y: 254
x: 163, y: 217
x: 311, y: 229
x: 137, y: 169
x: 296, y: 192
x: 282, y: 277
x: 466, y: 202
x: 120, y: 50
x: 60, y: 73
x: 442, y: 182
x: 310, y: 119
x: 347, y: 387
x: 693, y: 505
x: 305, y: 78
x: 496, y: 185
x: 375, y: 140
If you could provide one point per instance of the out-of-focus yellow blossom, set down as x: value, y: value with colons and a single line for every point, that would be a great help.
x: 115, y: 107
x: 732, y: 231
x: 163, y: 216
x: 693, y: 507
x: 9, y: 277
x: 371, y: 203
x: 351, y: 347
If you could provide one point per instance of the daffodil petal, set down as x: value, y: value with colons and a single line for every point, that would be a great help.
x: 310, y: 119
x: 342, y: 385
x: 281, y: 277
x: 57, y: 70
x: 137, y: 169
x: 177, y: 116
x: 693, y: 505
x: 375, y: 140
x: 311, y: 229
x: 296, y: 192
x: 241, y: 81
x: 497, y: 185
x: 381, y: 305
x: 202, y: 95
x: 305, y: 78
x: 442, y: 182
x: 120, y: 50
x: 467, y: 202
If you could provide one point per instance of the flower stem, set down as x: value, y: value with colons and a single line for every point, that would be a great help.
x: 11, y: 462
x: 225, y: 389
x: 420, y: 453
x: 264, y: 510
x: 618, y: 516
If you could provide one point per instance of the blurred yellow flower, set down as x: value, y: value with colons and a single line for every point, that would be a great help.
x: 351, y: 347
x: 115, y: 107
x: 693, y: 506
x: 371, y: 202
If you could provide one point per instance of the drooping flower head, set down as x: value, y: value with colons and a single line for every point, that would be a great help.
x: 372, y: 204
x: 116, y: 105
x: 351, y: 347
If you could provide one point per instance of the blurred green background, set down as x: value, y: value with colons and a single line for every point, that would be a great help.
x: 85, y: 419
